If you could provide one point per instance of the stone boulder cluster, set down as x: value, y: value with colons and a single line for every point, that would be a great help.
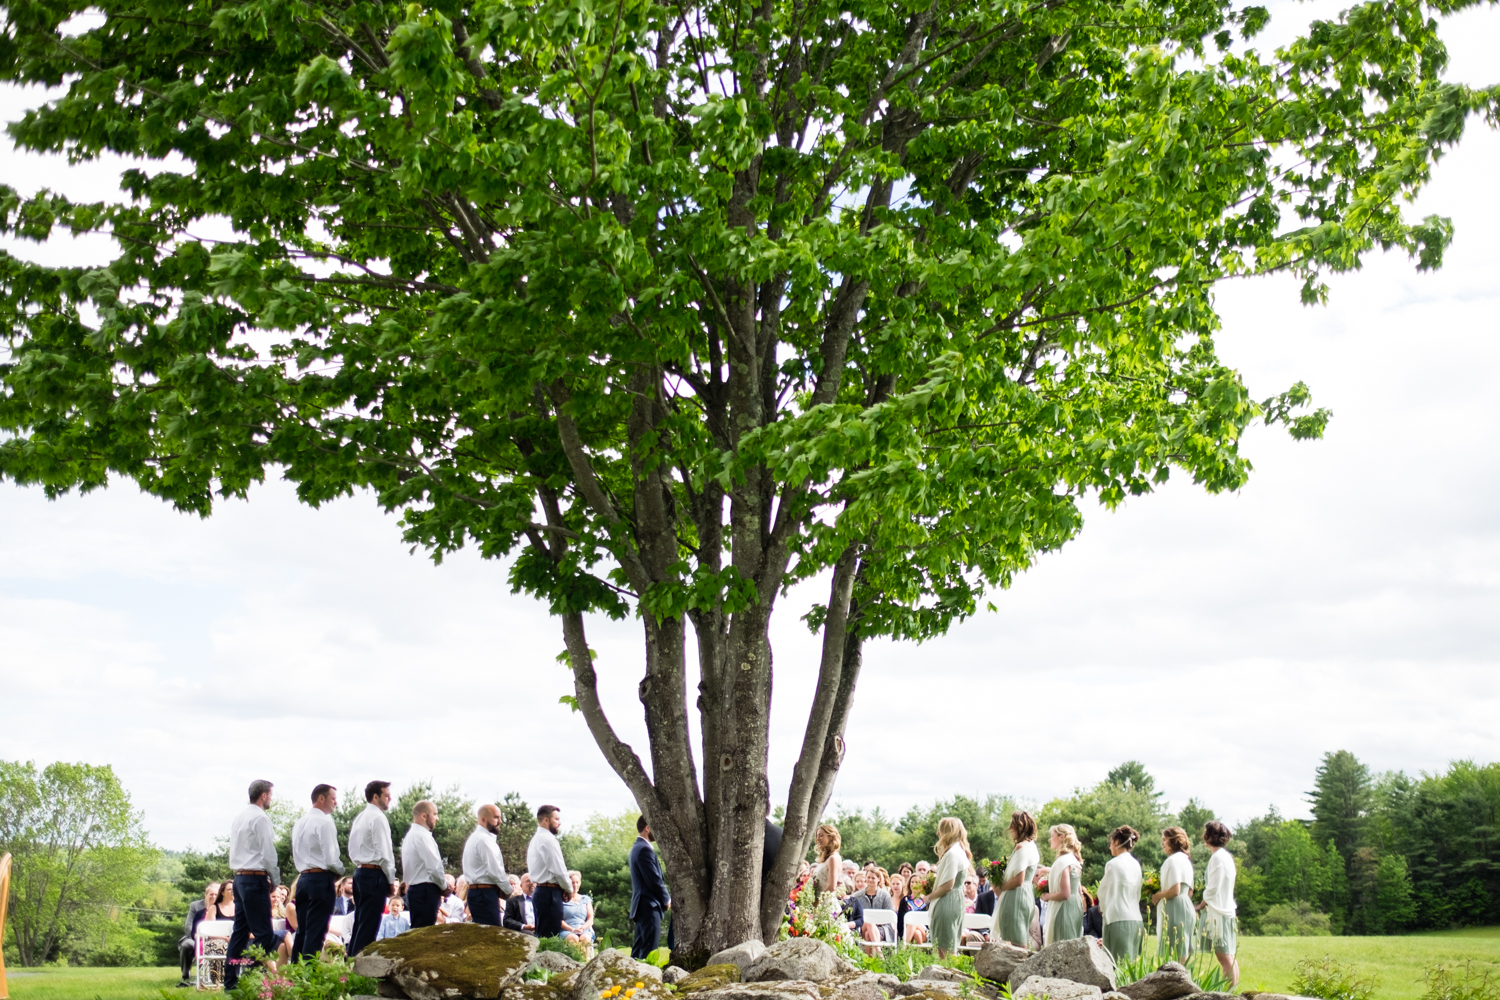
x: 470, y: 962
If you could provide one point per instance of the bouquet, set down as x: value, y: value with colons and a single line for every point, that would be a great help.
x: 1150, y: 886
x: 924, y: 883
x: 993, y: 870
x: 1039, y: 883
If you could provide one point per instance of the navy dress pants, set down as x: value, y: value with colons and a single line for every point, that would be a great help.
x: 314, y: 907
x: 647, y: 932
x: 422, y: 901
x: 484, y: 906
x: 371, y: 891
x: 547, y: 901
x: 252, y: 924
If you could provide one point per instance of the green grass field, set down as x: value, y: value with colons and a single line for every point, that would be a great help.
x: 1265, y: 963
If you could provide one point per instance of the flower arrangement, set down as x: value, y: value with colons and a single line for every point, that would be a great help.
x: 817, y: 916
x: 924, y: 883
x: 993, y: 870
x: 1039, y: 884
x: 1150, y: 885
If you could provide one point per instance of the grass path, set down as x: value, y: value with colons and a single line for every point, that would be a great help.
x: 91, y: 984
x: 1398, y: 962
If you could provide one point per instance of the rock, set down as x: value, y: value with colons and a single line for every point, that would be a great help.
x: 998, y: 960
x: 885, y: 983
x: 1215, y: 996
x: 786, y: 989
x: 1272, y: 996
x: 710, y: 977
x: 942, y: 972
x: 1169, y: 982
x: 553, y: 961
x: 859, y: 991
x: 448, y: 961
x: 615, y: 967
x: 1114, y: 995
x: 1055, y: 989
x: 1081, y: 960
x: 534, y: 991
x: 798, y: 958
x: 741, y: 955
x: 926, y: 987
x: 674, y: 975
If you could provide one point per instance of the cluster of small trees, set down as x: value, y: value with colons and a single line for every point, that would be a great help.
x: 1382, y: 854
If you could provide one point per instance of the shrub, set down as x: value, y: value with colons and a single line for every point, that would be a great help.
x: 1331, y: 980
x: 1442, y: 984
x: 318, y: 980
x: 1297, y: 919
x: 562, y: 947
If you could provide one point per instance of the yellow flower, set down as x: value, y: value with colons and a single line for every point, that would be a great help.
x: 640, y: 985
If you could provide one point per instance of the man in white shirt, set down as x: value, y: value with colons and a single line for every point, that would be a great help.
x: 315, y: 852
x: 484, y: 869
x: 549, y: 872
x: 252, y: 856
x: 375, y: 859
x: 422, y: 866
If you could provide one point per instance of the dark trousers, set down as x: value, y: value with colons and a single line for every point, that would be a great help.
x: 422, y: 901
x: 547, y: 901
x: 371, y: 891
x: 252, y: 924
x: 647, y: 932
x: 187, y: 952
x: 484, y: 906
x: 314, y: 907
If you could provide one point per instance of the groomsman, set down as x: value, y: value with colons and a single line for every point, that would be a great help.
x: 422, y: 866
x: 375, y: 875
x: 252, y: 856
x: 649, y: 899
x: 549, y: 871
x: 315, y: 853
x: 485, y: 869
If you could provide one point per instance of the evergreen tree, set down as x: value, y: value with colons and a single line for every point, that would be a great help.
x: 1341, y: 802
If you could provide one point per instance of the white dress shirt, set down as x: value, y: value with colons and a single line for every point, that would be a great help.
x: 420, y: 859
x: 483, y: 864
x: 315, y: 843
x: 370, y: 841
x: 252, y: 843
x: 544, y: 859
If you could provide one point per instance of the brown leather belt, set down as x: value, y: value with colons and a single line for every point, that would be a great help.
x: 483, y: 885
x: 554, y: 885
x: 251, y: 871
x: 311, y: 871
x: 369, y: 866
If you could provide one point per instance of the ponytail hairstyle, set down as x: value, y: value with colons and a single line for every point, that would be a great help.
x: 1069, y: 838
x: 1124, y: 836
x: 1176, y: 840
x: 1216, y: 834
x: 1022, y: 826
x: 951, y: 831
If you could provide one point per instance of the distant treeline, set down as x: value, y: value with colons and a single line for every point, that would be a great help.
x: 1381, y: 854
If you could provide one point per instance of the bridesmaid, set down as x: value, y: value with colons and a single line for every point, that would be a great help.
x: 1065, y: 885
x: 1220, y: 928
x: 1014, y: 907
x: 1120, y: 897
x: 1174, y: 915
x: 946, y: 898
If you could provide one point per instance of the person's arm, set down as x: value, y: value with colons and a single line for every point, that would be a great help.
x: 329, y: 836
x: 291, y: 914
x: 268, y: 849
x: 388, y: 856
x: 588, y: 915
x: 1170, y: 892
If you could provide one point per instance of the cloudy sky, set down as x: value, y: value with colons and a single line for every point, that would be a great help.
x: 1347, y: 598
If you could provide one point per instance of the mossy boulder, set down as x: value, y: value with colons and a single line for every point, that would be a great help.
x: 534, y: 991
x: 710, y: 977
x: 614, y: 975
x: 449, y: 961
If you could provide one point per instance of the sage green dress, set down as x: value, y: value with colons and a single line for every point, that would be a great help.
x: 1065, y: 916
x: 948, y: 911
x: 1175, y: 917
x: 1218, y: 925
x: 1014, y: 908
x: 1120, y: 907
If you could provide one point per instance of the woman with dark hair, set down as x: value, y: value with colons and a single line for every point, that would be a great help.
x: 1013, y: 903
x: 1218, y: 924
x: 1120, y: 897
x: 1174, y: 903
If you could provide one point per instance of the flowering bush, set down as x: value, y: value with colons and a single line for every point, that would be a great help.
x: 325, y: 979
x: 819, y: 917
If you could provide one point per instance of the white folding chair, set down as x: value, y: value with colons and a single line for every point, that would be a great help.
x: 922, y: 919
x: 983, y: 922
x: 343, y: 926
x: 208, y: 930
x: 880, y: 918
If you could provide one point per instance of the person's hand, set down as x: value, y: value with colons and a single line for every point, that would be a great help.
x: 394, y: 887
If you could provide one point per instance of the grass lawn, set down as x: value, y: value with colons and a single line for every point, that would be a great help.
x: 1398, y: 962
x: 90, y: 984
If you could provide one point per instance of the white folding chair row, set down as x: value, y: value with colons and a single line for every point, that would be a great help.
x: 922, y: 919
x: 209, y: 929
x: 882, y: 918
x: 984, y: 922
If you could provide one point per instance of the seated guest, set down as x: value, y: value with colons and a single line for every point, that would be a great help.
x: 288, y: 912
x: 904, y: 870
x: 1093, y: 917
x: 520, y: 914
x: 223, y: 908
x: 971, y: 893
x: 343, y: 897
x: 285, y: 936
x: 873, y: 897
x: 216, y: 942
x: 578, y: 915
x: 455, y: 908
x: 985, y: 901
x: 912, y: 934
x: 187, y: 945
x: 395, y: 922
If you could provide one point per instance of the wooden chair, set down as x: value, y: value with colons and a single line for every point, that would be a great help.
x: 4, y: 905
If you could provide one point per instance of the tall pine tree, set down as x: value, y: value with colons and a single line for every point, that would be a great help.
x: 1341, y: 802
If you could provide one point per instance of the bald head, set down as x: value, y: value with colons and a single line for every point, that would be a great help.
x: 489, y: 817
x: 424, y: 813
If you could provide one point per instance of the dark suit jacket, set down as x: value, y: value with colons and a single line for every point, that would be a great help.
x: 515, y: 914
x: 985, y: 902
x: 768, y: 853
x: 190, y: 922
x: 647, y: 887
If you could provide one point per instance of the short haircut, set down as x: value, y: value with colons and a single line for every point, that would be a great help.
x: 321, y: 790
x: 423, y: 808
x: 374, y: 788
x: 547, y: 812
x: 259, y: 787
x: 1176, y: 839
x: 641, y: 824
x: 1216, y: 834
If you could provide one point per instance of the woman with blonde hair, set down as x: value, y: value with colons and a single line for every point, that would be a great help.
x: 1065, y: 886
x: 830, y: 868
x: 946, y: 897
x: 1120, y: 897
x: 1014, y: 902
x: 1174, y: 903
